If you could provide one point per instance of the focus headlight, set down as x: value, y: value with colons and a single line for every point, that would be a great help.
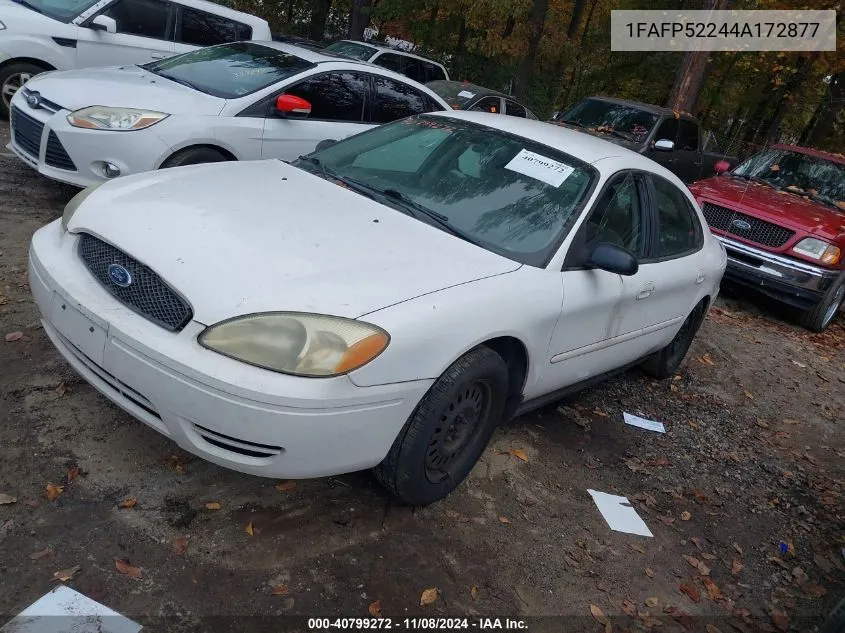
x: 297, y: 343
x: 118, y: 119
x: 73, y: 204
x: 818, y: 249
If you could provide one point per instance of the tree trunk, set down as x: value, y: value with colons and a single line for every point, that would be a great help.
x: 536, y: 21
x: 720, y: 88
x: 577, y: 12
x: 693, y: 72
x: 432, y: 20
x: 359, y: 19
x: 290, y: 13
x: 463, y: 33
x: 803, y: 66
x: 319, y: 16
x: 831, y: 113
x: 509, y: 25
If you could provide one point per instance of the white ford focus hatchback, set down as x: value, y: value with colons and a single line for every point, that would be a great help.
x: 384, y: 302
x: 239, y: 101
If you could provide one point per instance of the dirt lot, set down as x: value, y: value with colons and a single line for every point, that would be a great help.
x: 753, y: 457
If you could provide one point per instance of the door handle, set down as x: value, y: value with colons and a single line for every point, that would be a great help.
x: 700, y: 279
x: 646, y: 291
x: 158, y: 55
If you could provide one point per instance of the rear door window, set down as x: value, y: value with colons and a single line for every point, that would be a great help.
x: 396, y: 100
x: 391, y: 61
x: 512, y: 108
x: 147, y: 18
x: 680, y: 229
x: 199, y: 28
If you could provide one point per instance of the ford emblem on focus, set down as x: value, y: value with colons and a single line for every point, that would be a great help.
x: 742, y: 225
x: 120, y: 276
x: 33, y: 99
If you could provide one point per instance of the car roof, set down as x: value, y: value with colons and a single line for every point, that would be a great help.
x: 219, y: 9
x: 817, y: 153
x: 398, y: 51
x: 648, y: 107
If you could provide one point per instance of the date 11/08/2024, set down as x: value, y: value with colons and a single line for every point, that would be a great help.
x: 418, y: 624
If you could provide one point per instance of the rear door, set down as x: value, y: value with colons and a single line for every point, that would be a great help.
x: 144, y: 33
x: 338, y: 100
x: 200, y: 28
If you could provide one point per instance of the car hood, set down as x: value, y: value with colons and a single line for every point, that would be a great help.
x: 765, y: 202
x: 244, y: 237
x: 123, y: 86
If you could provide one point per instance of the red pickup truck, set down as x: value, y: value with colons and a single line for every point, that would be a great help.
x: 781, y: 218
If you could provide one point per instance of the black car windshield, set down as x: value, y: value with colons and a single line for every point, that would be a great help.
x: 61, y: 10
x: 812, y: 176
x: 353, y: 50
x: 609, y: 117
x: 230, y: 71
x: 506, y: 193
x: 458, y: 94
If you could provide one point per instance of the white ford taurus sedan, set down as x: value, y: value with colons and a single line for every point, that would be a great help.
x: 239, y: 101
x: 383, y: 302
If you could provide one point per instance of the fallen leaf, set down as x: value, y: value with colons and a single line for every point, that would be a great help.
x: 473, y: 592
x: 749, y: 395
x: 637, y: 548
x: 282, y: 590
x: 63, y: 575
x: 685, y: 516
x: 250, y: 529
x: 14, y: 336
x: 180, y: 544
x: 212, y: 505
x: 375, y: 609
x: 711, y: 629
x: 651, y: 602
x: 738, y: 549
x: 649, y: 572
x: 708, y: 556
x: 780, y: 620
x: 428, y: 596
x: 599, y: 615
x: 519, y: 454
x: 736, y: 567
x: 7, y: 499
x: 123, y: 566
x: 599, y: 412
x: 703, y: 569
x: 285, y: 486
x: 53, y: 491
x: 47, y: 551
x: 72, y: 472
x: 128, y: 504
x: 504, y: 520
x: 705, y: 359
x: 692, y: 560
x: 62, y: 389
x: 712, y: 589
x: 691, y: 592
x: 629, y: 608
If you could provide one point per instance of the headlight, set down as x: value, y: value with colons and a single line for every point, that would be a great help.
x: 120, y: 119
x: 297, y: 343
x: 818, y: 249
x: 73, y: 204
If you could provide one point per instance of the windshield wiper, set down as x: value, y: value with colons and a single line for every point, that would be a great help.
x: 183, y: 82
x: 416, y: 209
x: 755, y: 179
x: 354, y: 185
x: 28, y: 5
x: 575, y: 123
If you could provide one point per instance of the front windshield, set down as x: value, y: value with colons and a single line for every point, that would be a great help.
x: 61, y: 10
x: 230, y: 71
x: 809, y: 176
x: 353, y: 50
x: 607, y: 117
x: 506, y: 193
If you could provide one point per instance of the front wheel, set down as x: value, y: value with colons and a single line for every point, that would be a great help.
x: 817, y: 318
x: 12, y: 79
x: 448, y: 431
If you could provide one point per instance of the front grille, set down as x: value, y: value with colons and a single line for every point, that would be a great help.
x: 55, y: 154
x: 759, y: 231
x: 146, y: 293
x: 46, y: 104
x: 26, y: 132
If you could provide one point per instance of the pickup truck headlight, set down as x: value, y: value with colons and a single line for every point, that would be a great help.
x: 73, y: 204
x: 115, y: 119
x: 297, y: 343
x: 818, y: 249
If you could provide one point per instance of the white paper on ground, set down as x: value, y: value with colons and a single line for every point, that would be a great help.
x: 540, y: 168
x: 466, y: 94
x: 64, y: 610
x: 620, y: 516
x: 649, y: 425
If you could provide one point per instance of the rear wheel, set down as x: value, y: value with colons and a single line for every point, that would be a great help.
x: 665, y: 363
x: 194, y: 156
x: 12, y: 79
x: 822, y: 314
x: 448, y: 431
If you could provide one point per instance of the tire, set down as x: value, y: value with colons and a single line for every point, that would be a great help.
x: 665, y: 363
x: 817, y: 318
x: 194, y: 156
x: 448, y: 431
x: 12, y: 77
x: 835, y: 622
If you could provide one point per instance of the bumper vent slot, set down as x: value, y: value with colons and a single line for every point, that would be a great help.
x: 26, y: 132
x: 241, y: 447
x: 55, y: 155
x: 734, y: 223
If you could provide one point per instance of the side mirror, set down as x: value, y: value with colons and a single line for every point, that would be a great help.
x: 325, y: 143
x: 721, y: 167
x: 104, y: 23
x: 293, y: 107
x: 664, y: 145
x: 613, y: 259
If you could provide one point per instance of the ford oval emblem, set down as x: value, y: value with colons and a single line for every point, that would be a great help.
x: 742, y: 225
x: 120, y: 276
x: 33, y: 99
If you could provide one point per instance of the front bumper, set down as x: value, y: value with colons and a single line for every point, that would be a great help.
x: 235, y: 415
x: 791, y: 281
x: 132, y: 152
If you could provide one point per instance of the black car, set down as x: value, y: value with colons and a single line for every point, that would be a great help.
x: 462, y: 95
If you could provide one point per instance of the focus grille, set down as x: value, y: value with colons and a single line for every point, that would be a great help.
x: 758, y: 231
x: 145, y: 293
x: 26, y: 132
x: 55, y: 154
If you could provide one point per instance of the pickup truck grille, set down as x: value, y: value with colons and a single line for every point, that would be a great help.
x: 734, y: 223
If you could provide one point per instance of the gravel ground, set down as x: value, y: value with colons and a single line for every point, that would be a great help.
x: 744, y: 495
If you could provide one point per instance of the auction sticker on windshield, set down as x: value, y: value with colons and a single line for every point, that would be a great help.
x: 540, y: 168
